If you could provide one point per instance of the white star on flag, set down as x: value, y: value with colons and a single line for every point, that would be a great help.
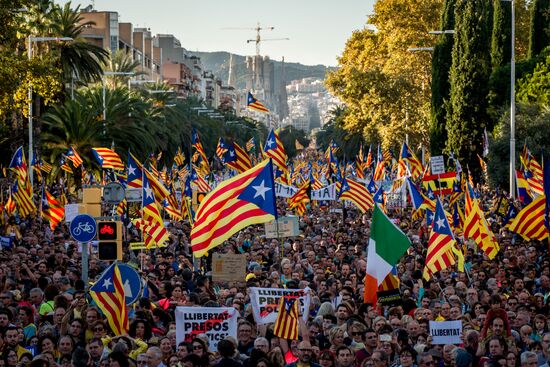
x: 148, y: 192
x: 270, y: 143
x: 131, y: 170
x: 107, y: 283
x: 261, y: 189
x: 441, y: 223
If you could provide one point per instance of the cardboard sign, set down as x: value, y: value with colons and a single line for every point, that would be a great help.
x: 216, y: 323
x: 446, y: 332
x: 228, y: 267
x: 265, y: 302
x: 287, y: 227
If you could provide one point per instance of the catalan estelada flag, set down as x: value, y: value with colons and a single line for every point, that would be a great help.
x: 179, y: 158
x: 51, y: 209
x: 254, y: 104
x: 299, y: 199
x: 108, y: 294
x: 440, y: 245
x: 25, y: 204
x: 198, y: 145
x: 286, y: 325
x: 237, y: 158
x: 251, y: 145
x: 221, y: 148
x: 74, y: 157
x: 154, y: 232
x: 408, y: 156
x: 357, y: 194
x: 108, y: 158
x: 523, y: 189
x: 477, y: 228
x: 19, y: 165
x: 275, y: 149
x: 135, y: 172
x: 246, y: 199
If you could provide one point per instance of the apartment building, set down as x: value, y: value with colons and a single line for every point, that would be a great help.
x: 107, y: 32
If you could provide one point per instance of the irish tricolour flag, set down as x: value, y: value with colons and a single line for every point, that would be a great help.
x: 386, y: 246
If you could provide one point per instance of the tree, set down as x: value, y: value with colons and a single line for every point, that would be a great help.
x: 467, y: 115
x: 534, y: 88
x: 502, y: 32
x: 385, y: 87
x: 349, y: 142
x: 532, y: 128
x: 78, y: 59
x: 539, y: 35
x: 441, y: 64
x: 121, y: 62
x: 289, y: 135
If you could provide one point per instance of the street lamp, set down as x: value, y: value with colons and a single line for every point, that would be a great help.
x: 513, y: 104
x: 31, y: 151
x: 112, y: 73
x: 447, y: 31
x: 417, y: 49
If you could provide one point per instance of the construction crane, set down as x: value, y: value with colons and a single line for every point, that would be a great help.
x: 259, y: 38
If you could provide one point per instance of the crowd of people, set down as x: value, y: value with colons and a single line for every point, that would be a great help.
x: 47, y: 318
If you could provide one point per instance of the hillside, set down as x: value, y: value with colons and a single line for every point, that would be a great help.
x: 218, y: 63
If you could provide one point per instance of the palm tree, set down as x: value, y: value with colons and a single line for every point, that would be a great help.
x: 120, y: 62
x: 128, y: 125
x: 72, y: 124
x: 79, y: 59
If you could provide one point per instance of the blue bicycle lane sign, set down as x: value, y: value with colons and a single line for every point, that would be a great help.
x: 83, y: 228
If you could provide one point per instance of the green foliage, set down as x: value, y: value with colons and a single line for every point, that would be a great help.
x: 288, y: 136
x: 534, y: 88
x: 441, y: 66
x: 532, y: 128
x: 385, y: 87
x: 539, y: 35
x: 502, y: 31
x: 77, y: 58
x: 467, y: 111
x: 349, y: 142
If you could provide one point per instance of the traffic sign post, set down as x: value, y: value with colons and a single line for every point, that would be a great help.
x: 83, y: 230
x: 131, y: 282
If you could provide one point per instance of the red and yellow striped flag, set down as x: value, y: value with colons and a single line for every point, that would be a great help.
x: 286, y: 325
x: 529, y: 223
x: 108, y: 294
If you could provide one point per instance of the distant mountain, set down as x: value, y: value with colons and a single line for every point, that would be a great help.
x: 218, y: 63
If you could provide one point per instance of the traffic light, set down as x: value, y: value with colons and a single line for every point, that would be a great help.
x: 109, y: 235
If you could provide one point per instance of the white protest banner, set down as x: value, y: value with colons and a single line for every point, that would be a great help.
x: 216, y: 323
x: 446, y: 332
x: 284, y: 191
x: 324, y: 193
x: 265, y: 302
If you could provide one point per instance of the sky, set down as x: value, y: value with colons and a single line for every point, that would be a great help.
x: 318, y: 29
